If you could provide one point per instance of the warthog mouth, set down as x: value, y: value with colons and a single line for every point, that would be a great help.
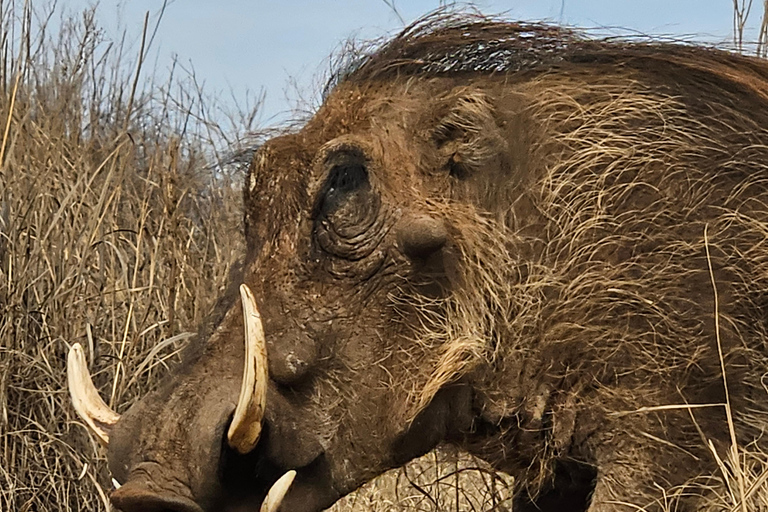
x: 140, y: 496
x: 305, y: 489
x: 256, y: 478
x: 148, y: 486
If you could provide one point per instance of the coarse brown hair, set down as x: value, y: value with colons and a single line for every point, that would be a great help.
x: 647, y: 252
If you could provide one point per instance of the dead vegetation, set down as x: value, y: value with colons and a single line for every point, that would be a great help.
x: 442, y: 480
x: 116, y: 231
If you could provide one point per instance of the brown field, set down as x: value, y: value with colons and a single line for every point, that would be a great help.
x: 119, y: 226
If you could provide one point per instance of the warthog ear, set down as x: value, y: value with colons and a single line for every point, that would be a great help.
x: 467, y: 136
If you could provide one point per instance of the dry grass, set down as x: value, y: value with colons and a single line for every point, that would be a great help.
x: 115, y: 232
x: 444, y: 480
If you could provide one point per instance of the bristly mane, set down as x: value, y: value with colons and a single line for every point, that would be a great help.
x: 440, y: 44
x: 444, y: 44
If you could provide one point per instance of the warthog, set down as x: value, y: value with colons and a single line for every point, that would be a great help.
x: 547, y: 250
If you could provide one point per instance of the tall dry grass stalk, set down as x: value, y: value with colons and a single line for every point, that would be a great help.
x: 741, y: 12
x: 116, y: 231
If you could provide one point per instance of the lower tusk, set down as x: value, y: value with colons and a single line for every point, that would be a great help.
x: 246, y: 424
x: 277, y: 492
x: 85, y: 398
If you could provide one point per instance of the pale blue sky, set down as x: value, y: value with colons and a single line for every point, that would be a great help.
x: 240, y: 45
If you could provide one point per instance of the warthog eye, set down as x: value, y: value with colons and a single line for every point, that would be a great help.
x: 345, y: 181
x: 347, y: 212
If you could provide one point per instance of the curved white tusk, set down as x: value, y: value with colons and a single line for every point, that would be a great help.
x: 85, y: 398
x: 277, y: 492
x: 246, y: 424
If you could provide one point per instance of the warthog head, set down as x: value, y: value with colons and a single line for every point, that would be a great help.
x: 498, y: 235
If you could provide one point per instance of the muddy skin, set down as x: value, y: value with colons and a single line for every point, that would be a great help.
x: 500, y: 236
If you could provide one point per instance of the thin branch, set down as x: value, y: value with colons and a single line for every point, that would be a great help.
x: 391, y: 5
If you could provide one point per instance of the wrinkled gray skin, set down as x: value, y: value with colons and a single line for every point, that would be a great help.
x: 363, y: 224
